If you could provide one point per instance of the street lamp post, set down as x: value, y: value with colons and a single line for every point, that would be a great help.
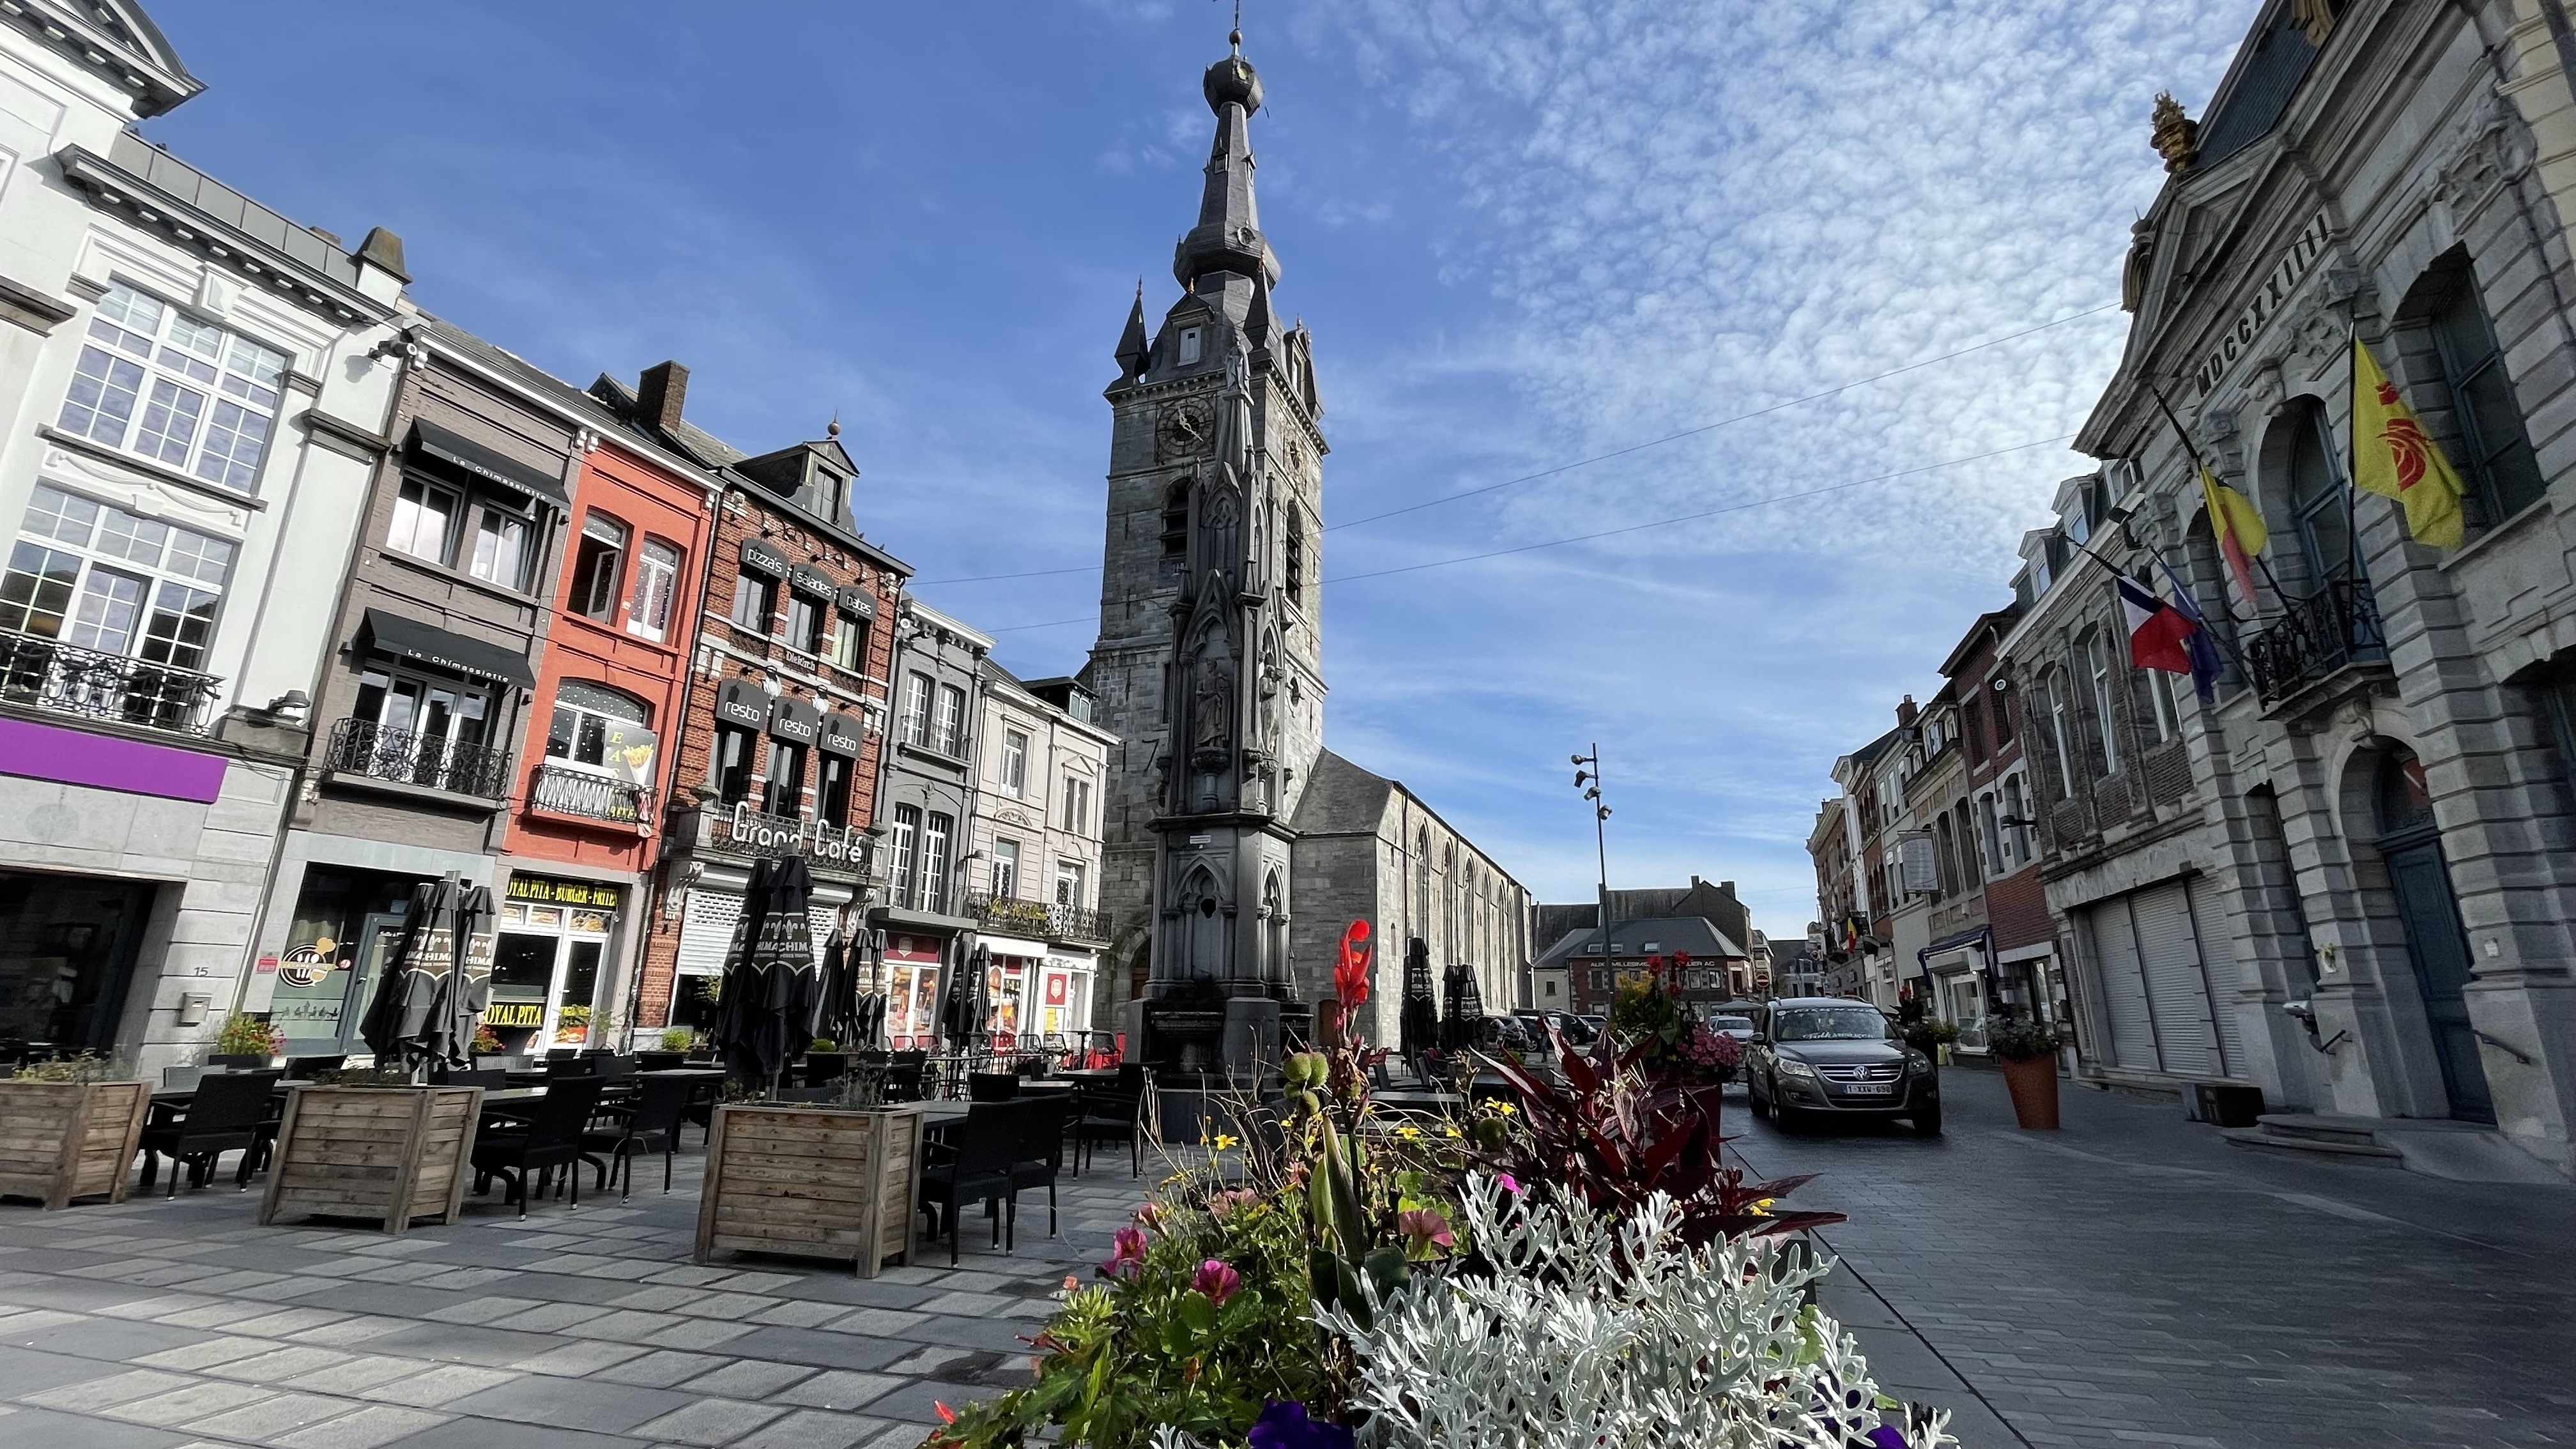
x: 1587, y: 778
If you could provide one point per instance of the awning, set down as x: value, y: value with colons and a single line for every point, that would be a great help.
x: 402, y: 638
x: 458, y: 451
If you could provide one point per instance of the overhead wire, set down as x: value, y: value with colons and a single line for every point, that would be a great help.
x: 1735, y: 507
x: 1692, y: 432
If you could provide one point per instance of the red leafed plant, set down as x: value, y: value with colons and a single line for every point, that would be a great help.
x: 1617, y: 1132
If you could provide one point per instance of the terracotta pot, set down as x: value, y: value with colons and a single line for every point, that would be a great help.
x: 2033, y: 1081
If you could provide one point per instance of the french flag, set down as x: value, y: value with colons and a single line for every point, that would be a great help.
x: 2159, y: 633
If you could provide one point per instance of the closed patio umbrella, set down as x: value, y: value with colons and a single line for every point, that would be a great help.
x: 1418, y: 1022
x: 836, y: 1009
x: 959, y: 1016
x: 771, y: 985
x: 425, y: 1003
x: 1463, y: 1010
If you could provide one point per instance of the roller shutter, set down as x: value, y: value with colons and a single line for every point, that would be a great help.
x: 2177, y: 988
x: 2124, y: 986
x: 706, y: 931
x: 2219, y: 961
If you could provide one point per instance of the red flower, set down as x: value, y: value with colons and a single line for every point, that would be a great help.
x: 1351, y: 969
x: 1217, y: 1281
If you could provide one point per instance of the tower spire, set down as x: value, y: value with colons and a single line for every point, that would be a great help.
x: 1228, y: 236
x: 1132, y: 347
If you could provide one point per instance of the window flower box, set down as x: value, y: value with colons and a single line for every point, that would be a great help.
x: 392, y: 1154
x: 818, y: 1182
x: 66, y: 1140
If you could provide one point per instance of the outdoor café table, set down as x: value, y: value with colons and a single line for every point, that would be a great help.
x: 1089, y: 1074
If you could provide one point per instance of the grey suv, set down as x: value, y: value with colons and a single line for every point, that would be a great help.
x: 1821, y: 1056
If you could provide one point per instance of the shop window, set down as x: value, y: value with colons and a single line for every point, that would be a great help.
x: 2495, y: 450
x: 850, y: 643
x: 784, y: 794
x: 937, y: 831
x: 100, y: 578
x: 657, y: 581
x: 905, y: 842
x: 67, y: 951
x: 1006, y: 869
x: 1015, y: 761
x: 596, y: 566
x: 833, y: 789
x: 916, y: 709
x: 804, y: 623
x: 348, y: 925
x: 157, y: 383
x: 754, y: 599
x: 730, y: 764
x: 949, y: 737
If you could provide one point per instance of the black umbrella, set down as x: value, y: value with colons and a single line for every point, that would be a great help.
x: 836, y: 1010
x: 770, y: 982
x: 869, y: 951
x: 1418, y: 1022
x: 959, y: 1018
x: 425, y: 1003
x: 1463, y: 1009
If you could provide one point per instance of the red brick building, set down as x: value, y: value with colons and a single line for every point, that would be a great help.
x: 779, y: 737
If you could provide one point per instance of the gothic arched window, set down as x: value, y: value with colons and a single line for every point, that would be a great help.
x: 1422, y: 884
x: 1176, y: 520
x: 1294, y: 572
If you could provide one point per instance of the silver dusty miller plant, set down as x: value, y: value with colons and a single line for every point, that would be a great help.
x: 1594, y: 1332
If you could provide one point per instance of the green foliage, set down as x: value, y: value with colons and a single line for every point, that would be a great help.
x: 677, y: 1039
x: 2015, y: 1039
x: 487, y: 1042
x: 245, y: 1035
x: 1148, y: 1348
x: 82, y: 1068
x: 824, y: 1044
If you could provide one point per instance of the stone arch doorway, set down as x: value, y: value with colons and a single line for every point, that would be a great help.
x: 2437, y: 948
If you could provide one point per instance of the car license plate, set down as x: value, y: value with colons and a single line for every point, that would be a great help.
x: 1869, y: 1089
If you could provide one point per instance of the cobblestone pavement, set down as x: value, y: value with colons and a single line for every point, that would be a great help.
x: 184, y: 1322
x: 2132, y: 1280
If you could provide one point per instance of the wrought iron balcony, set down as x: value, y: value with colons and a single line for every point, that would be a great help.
x: 559, y: 791
x: 66, y: 679
x: 363, y: 747
x: 2339, y: 625
x: 1038, y: 919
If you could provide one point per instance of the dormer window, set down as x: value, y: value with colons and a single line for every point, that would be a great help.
x: 1190, y: 341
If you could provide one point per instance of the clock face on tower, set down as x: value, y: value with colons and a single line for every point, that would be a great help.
x: 1184, y: 430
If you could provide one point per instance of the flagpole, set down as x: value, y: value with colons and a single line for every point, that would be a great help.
x: 2202, y: 464
x: 2179, y: 587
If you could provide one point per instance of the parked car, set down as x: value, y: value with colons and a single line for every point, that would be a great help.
x: 1815, y: 1057
x: 1738, y: 1025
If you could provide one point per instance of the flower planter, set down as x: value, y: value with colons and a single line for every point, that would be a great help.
x: 65, y: 1140
x: 388, y: 1153
x: 816, y: 1182
x: 2033, y: 1081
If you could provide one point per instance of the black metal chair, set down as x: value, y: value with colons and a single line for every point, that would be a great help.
x: 228, y: 1114
x: 824, y: 1067
x: 650, y: 1122
x: 562, y: 1054
x: 551, y: 1139
x: 1041, y: 1152
x: 490, y: 1079
x: 1112, y: 1116
x: 236, y: 1062
x: 991, y: 1086
x: 560, y: 1067
x: 660, y: 1061
x: 310, y: 1069
x: 906, y: 1075
x: 978, y: 1169
x: 809, y: 1096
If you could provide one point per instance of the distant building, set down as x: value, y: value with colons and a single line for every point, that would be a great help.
x: 1638, y: 947
x: 1033, y: 849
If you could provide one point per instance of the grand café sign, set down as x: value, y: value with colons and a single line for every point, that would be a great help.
x: 2297, y: 260
x: 749, y: 830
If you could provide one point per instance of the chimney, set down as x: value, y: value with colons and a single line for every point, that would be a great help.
x: 1904, y: 712
x: 1727, y: 886
x: 1694, y: 882
x: 664, y: 387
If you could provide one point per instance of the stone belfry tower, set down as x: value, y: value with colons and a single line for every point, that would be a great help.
x: 1209, y: 663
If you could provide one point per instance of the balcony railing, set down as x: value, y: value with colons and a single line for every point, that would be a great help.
x: 363, y: 747
x: 1039, y: 919
x: 66, y: 679
x: 2337, y: 626
x: 559, y: 791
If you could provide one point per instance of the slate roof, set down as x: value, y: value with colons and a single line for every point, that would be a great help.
x: 1342, y: 799
x: 2270, y: 64
x: 1665, y: 935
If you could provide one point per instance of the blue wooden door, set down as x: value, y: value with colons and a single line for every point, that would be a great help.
x: 2439, y: 950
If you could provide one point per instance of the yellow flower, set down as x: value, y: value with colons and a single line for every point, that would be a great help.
x: 1408, y: 1132
x: 1762, y: 1209
x: 1450, y: 1129
x: 1226, y: 1143
x: 1505, y: 1108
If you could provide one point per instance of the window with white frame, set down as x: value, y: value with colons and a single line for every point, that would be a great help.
x: 850, y: 643
x: 905, y: 844
x: 1989, y: 836
x: 2017, y: 845
x: 587, y: 723
x: 1068, y: 883
x: 97, y: 577
x: 2097, y: 662
x: 657, y: 580
x: 937, y: 830
x: 596, y: 566
x: 425, y: 520
x: 1006, y: 869
x: 1077, y: 804
x: 950, y: 725
x: 501, y: 554
x: 155, y: 382
x: 1015, y: 761
x: 916, y: 709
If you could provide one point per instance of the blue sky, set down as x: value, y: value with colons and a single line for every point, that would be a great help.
x: 1524, y: 235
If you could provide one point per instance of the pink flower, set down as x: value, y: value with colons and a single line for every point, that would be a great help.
x: 1226, y: 1204
x: 1425, y: 1229
x: 1217, y: 1281
x: 1507, y: 1183
x: 1147, y: 1216
x: 1128, y: 1254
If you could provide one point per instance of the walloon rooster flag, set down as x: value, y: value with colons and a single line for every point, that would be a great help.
x: 2162, y: 636
x: 2391, y: 456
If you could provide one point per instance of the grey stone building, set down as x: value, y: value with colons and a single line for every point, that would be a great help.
x: 2375, y: 816
x: 1209, y: 662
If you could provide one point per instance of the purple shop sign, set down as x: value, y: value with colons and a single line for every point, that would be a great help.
x: 74, y: 757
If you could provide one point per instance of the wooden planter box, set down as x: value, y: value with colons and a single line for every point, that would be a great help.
x: 815, y: 1182
x: 62, y: 1140
x: 388, y: 1153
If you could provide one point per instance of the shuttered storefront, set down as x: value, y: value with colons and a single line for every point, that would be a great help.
x: 706, y: 932
x: 2156, y: 987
